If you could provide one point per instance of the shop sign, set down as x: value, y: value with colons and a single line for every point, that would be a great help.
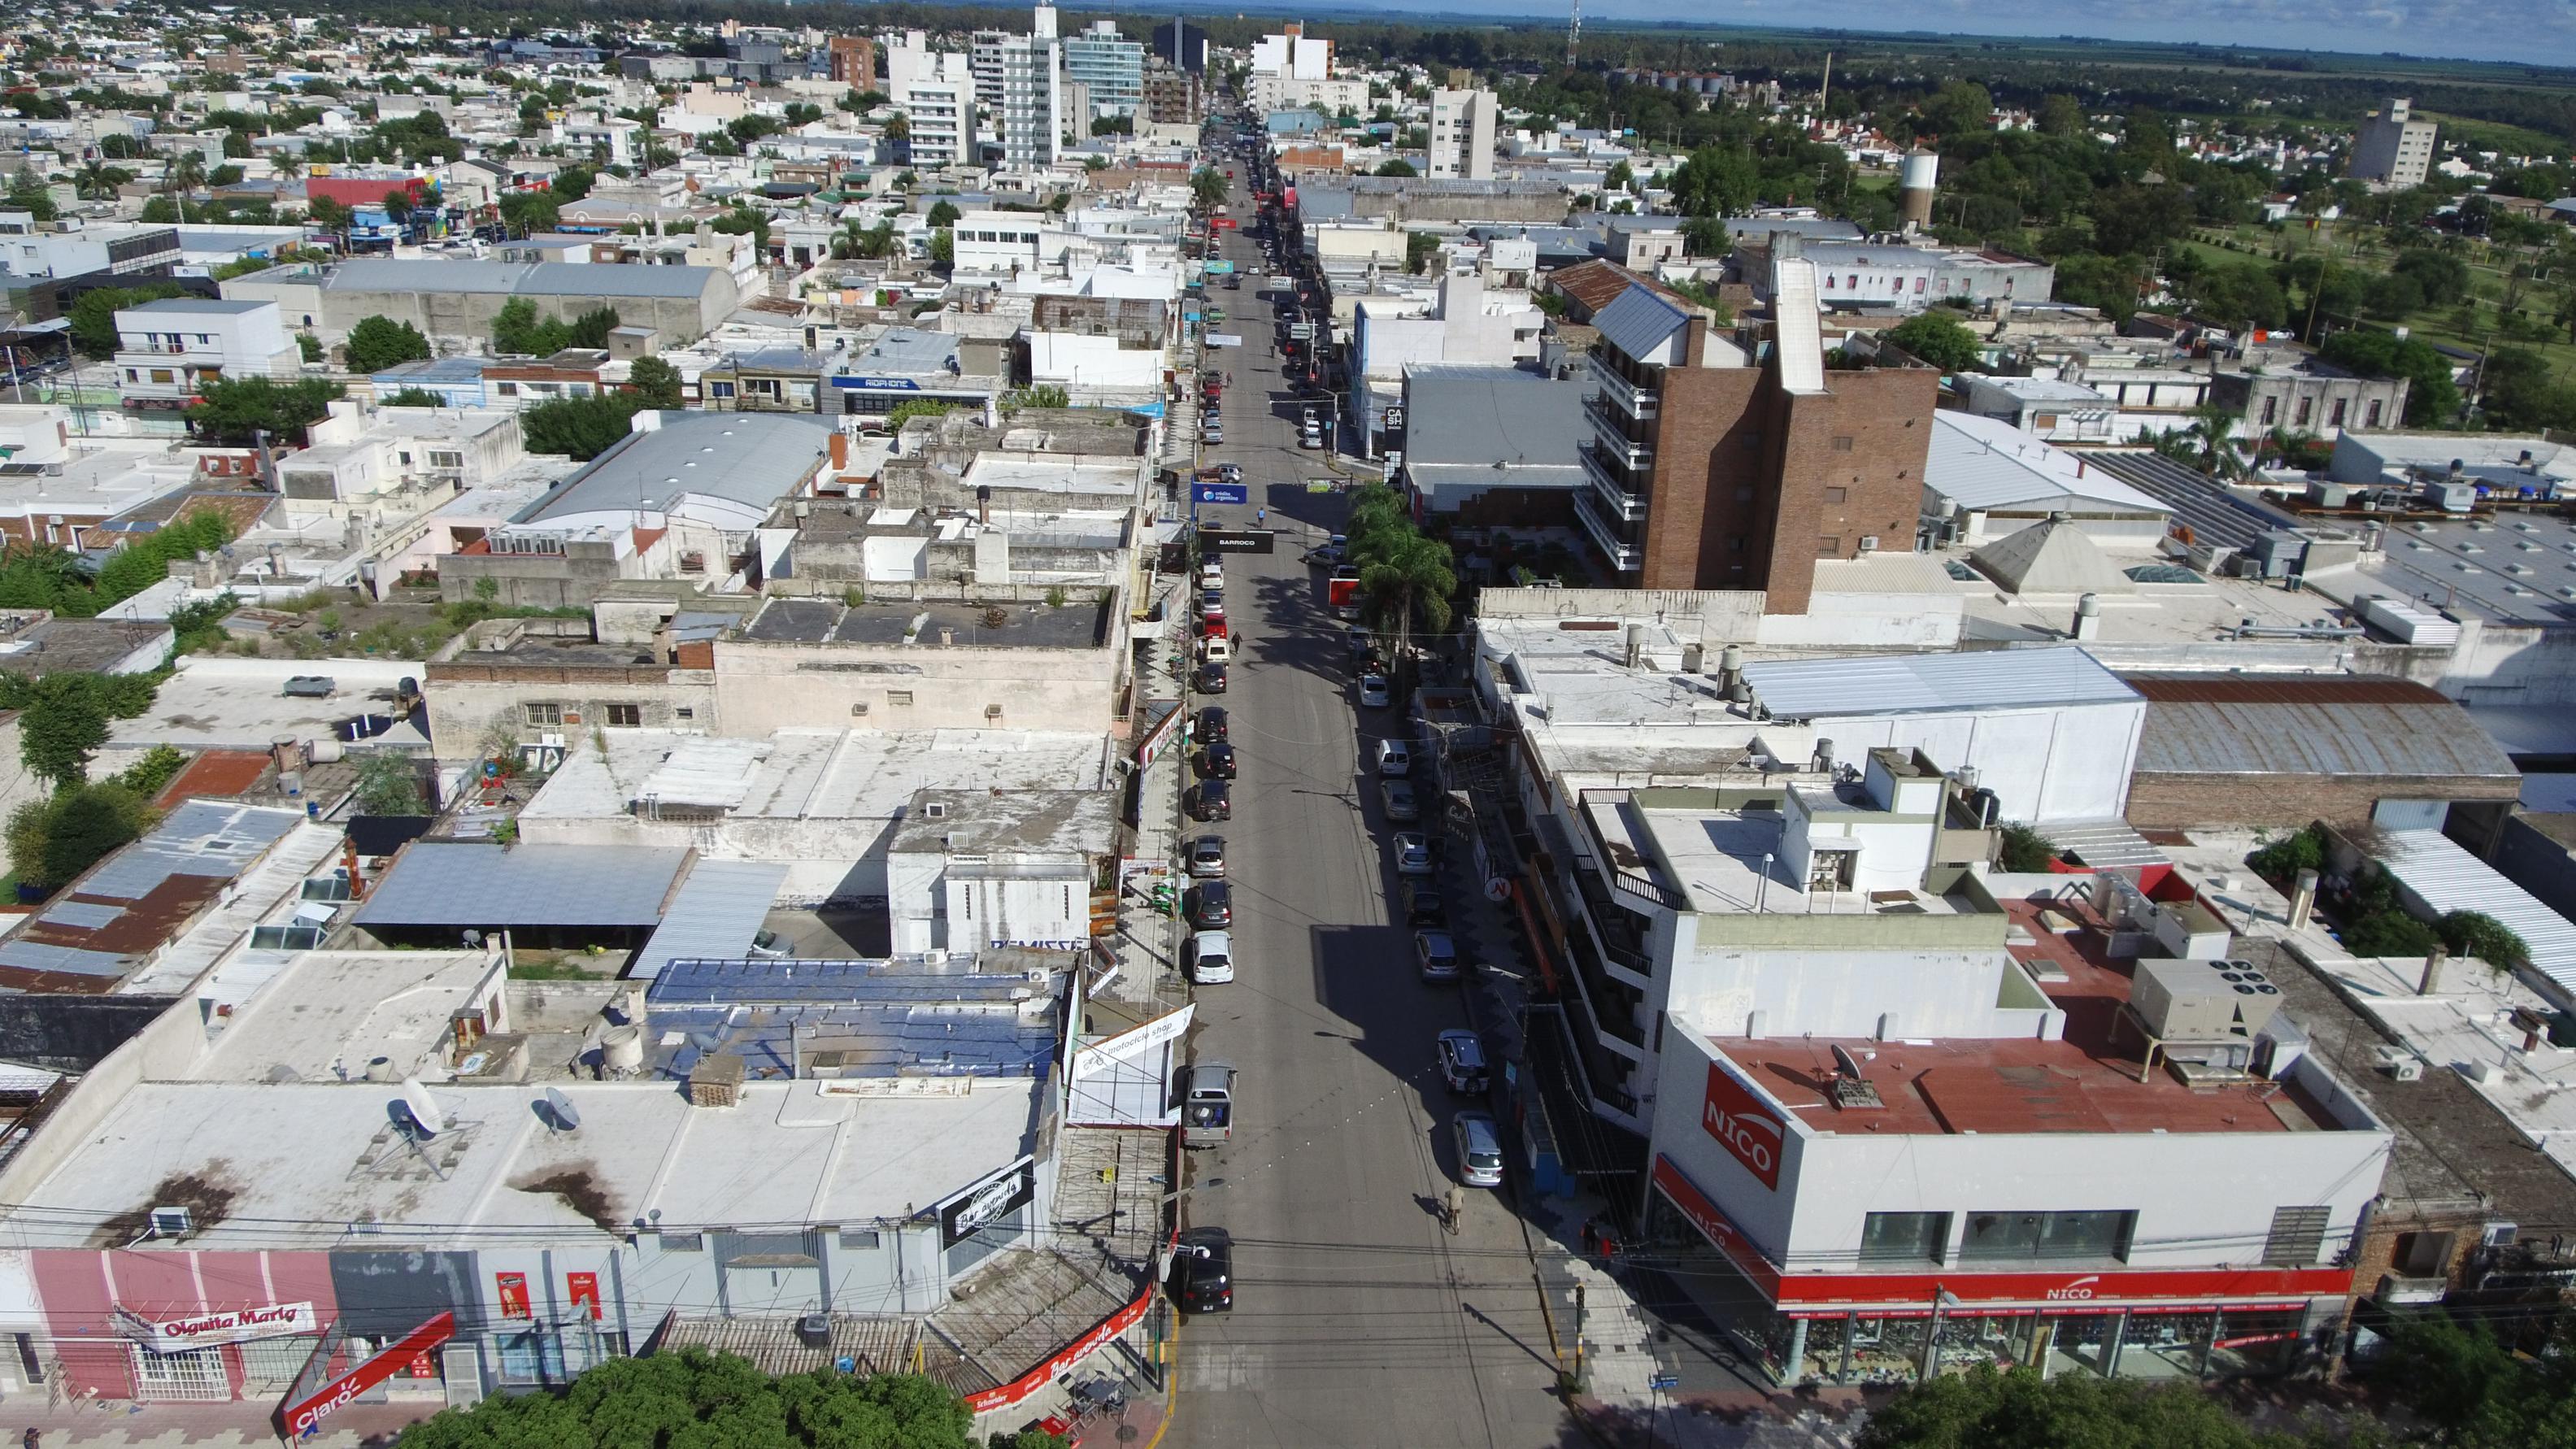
x: 1743, y: 1126
x: 222, y: 1325
x: 301, y: 1417
x: 988, y: 1202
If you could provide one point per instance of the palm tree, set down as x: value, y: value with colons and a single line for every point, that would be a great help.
x: 1410, y: 575
x: 286, y: 164
x: 91, y: 180
x: 187, y: 171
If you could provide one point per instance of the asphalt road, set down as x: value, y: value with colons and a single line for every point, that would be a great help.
x: 1357, y: 1320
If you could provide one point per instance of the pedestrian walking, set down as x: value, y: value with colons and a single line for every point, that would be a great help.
x: 1453, y: 1205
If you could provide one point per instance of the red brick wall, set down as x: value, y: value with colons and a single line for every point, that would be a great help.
x: 1712, y: 480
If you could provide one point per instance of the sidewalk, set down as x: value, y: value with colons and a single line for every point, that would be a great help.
x: 190, y: 1426
x: 1742, y: 1420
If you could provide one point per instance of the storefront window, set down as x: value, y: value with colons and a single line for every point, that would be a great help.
x: 1904, y: 1237
x: 2166, y: 1345
x: 2256, y: 1342
x: 1887, y: 1350
x: 533, y: 1357
x: 2022, y: 1236
x: 191, y: 1374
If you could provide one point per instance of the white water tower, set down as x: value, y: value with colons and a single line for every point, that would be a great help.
x: 1917, y: 177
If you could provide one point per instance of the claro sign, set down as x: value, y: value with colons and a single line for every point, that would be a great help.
x: 1741, y: 1124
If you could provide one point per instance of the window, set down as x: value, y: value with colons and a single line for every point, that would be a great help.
x: 2307, y: 406
x: 133, y: 375
x: 2422, y: 1255
x: 1837, y: 495
x: 626, y: 716
x: 161, y: 374
x: 2298, y: 1235
x: 2271, y: 411
x: 447, y: 460
x: 967, y: 895
x: 2370, y: 419
x: 684, y: 712
x: 2339, y: 406
x: 684, y: 1242
x: 542, y: 714
x: 863, y: 1239
x: 509, y: 389
x: 898, y: 696
x: 1829, y: 281
x: 1904, y: 1237
x: 1842, y: 442
x: 1829, y: 546
x: 2015, y: 1236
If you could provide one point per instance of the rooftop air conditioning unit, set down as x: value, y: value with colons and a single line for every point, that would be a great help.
x: 170, y: 1222
x: 2399, y: 1063
x: 1869, y: 543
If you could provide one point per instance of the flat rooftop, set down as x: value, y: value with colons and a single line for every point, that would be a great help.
x: 928, y: 626
x: 2086, y: 1082
x: 814, y: 774
x: 1715, y: 855
x: 2514, y: 568
x: 1070, y: 475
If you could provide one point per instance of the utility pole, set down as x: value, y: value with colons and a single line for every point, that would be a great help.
x: 1578, y: 1333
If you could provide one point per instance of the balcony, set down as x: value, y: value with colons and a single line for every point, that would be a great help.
x: 1641, y: 403
x: 1621, y: 555
x: 1619, y: 930
x: 1630, y: 871
x: 1622, y: 494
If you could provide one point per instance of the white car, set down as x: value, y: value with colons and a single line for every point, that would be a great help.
x: 1211, y: 958
x: 1480, y: 1149
x: 1412, y: 853
x: 1373, y: 694
x: 1394, y: 759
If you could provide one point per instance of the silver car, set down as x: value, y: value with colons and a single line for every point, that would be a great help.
x: 1480, y: 1149
x: 1401, y: 804
x: 1207, y: 857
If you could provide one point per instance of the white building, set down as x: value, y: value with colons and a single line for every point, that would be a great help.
x: 2392, y: 149
x: 1021, y: 87
x: 968, y: 870
x: 1462, y: 134
x: 1109, y: 67
x: 168, y: 350
x: 1293, y: 56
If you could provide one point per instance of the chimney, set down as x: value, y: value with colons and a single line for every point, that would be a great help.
x: 840, y: 451
x: 2433, y: 964
x: 2088, y: 617
x: 984, y: 504
x: 1636, y: 644
x: 2303, y: 900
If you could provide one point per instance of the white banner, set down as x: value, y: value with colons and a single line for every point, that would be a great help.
x: 1223, y: 339
x: 217, y: 1325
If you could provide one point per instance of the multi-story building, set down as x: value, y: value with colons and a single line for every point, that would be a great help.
x: 2304, y: 393
x: 1182, y: 44
x: 2392, y: 148
x: 1020, y: 86
x: 936, y: 92
x: 167, y: 351
x: 1462, y: 134
x: 852, y: 60
x: 1731, y: 477
x: 1110, y: 66
x: 75, y: 248
x: 1171, y: 95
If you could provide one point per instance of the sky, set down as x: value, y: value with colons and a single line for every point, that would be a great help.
x: 2542, y: 31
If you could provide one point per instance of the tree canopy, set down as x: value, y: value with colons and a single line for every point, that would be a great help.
x: 237, y: 409
x: 1939, y: 339
x: 377, y: 343
x: 697, y: 1400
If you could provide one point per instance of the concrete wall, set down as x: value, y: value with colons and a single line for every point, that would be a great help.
x: 762, y: 686
x: 469, y: 702
x: 1725, y: 616
x: 468, y: 315
x: 2042, y: 764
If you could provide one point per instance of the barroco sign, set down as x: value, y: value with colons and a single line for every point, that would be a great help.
x: 1738, y: 1120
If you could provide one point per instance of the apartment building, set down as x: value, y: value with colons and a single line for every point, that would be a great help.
x: 1731, y: 477
x: 852, y: 61
x: 936, y: 92
x: 1020, y: 86
x: 1109, y: 67
x: 1462, y: 135
x: 2392, y: 149
x: 167, y: 351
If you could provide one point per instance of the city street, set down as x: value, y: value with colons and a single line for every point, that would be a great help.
x: 1357, y: 1320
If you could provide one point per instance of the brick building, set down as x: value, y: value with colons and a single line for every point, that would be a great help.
x: 853, y: 59
x: 1706, y: 476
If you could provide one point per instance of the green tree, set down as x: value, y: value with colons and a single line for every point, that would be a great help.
x: 2432, y: 399
x: 1419, y: 248
x: 942, y: 213
x: 412, y: 397
x: 236, y: 410
x: 1208, y: 188
x: 656, y: 382
x: 1984, y: 1409
x: 1620, y: 177
x: 55, y: 838
x: 2517, y: 392
x: 943, y: 247
x: 1044, y: 395
x: 389, y: 784
x: 63, y: 718
x: 1940, y: 340
x: 1396, y: 166
x: 580, y: 427
x: 693, y: 1398
x: 93, y: 316
x: 525, y: 213
x: 1961, y: 108
x: 376, y: 343
x: 27, y: 193
x: 2059, y: 115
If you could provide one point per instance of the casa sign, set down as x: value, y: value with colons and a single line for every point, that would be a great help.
x: 218, y: 1325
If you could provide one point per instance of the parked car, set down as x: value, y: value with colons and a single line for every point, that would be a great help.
x: 1211, y: 800
x: 1211, y: 905
x: 1373, y: 693
x: 1207, y: 857
x: 1462, y: 1062
x: 1216, y: 648
x: 1423, y: 906
x: 1394, y: 758
x: 1212, y: 433
x: 1216, y: 762
x: 1480, y: 1149
x: 1412, y: 853
x: 1207, y: 1104
x: 1211, y: 725
x: 1212, y: 955
x: 1202, y: 1278
x: 1437, y: 955
x: 1211, y: 679
x: 1402, y: 806
x: 1309, y: 436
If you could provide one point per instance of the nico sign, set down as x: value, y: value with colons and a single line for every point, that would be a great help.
x: 220, y: 1325
x: 1746, y: 1128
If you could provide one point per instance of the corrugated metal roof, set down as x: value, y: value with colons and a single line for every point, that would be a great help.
x: 2214, y: 515
x: 752, y: 459
x: 1933, y: 683
x: 2322, y: 736
x: 1979, y: 463
x: 2445, y: 878
x: 717, y: 912
x: 707, y: 772
x: 1638, y: 323
x: 1498, y: 421
x: 517, y: 279
x: 470, y: 883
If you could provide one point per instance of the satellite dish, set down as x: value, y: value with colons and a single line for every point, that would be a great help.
x: 424, y: 1110
x: 1846, y: 1064
x: 472, y: 938
x: 560, y: 1108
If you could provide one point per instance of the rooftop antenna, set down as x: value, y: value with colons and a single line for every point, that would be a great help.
x: 1852, y: 1090
x: 417, y: 1120
x: 561, y: 1116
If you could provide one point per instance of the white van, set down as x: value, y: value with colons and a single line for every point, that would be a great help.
x: 1394, y: 758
